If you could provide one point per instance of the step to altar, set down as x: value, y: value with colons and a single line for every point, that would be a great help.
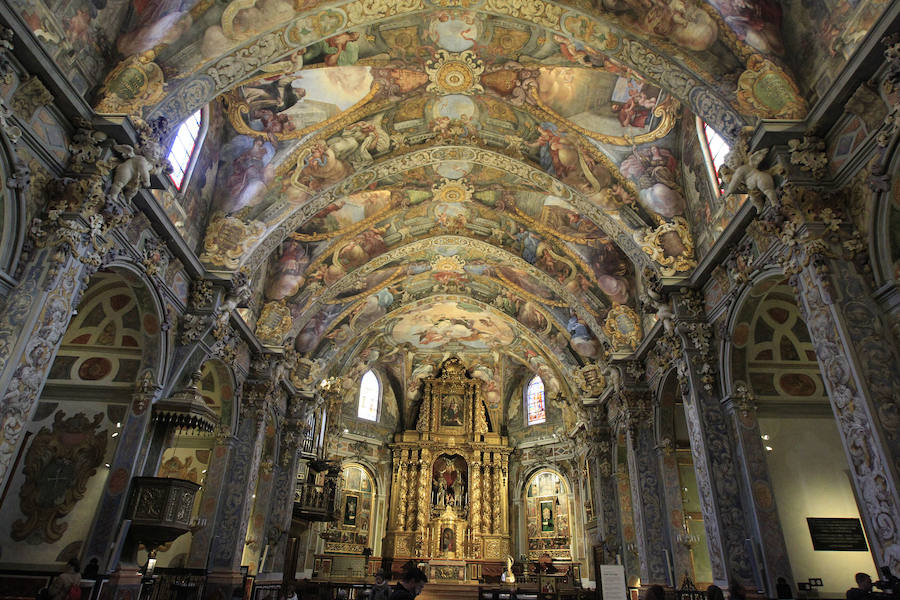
x: 449, y: 591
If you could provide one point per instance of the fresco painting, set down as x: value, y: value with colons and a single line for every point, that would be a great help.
x: 451, y: 322
x: 821, y: 37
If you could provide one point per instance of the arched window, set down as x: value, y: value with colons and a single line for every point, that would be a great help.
x: 369, y: 395
x: 715, y: 149
x: 534, y: 402
x: 185, y: 147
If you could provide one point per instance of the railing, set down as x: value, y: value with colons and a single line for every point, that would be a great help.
x: 308, y: 446
x: 314, y: 502
x: 688, y: 591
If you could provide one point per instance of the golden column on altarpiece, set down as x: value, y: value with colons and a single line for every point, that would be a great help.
x: 449, y: 490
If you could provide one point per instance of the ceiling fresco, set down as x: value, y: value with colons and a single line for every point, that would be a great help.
x: 492, y: 177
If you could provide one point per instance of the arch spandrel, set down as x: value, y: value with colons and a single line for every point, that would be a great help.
x: 221, y: 55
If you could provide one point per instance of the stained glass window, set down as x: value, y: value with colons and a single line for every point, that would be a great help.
x: 716, y: 148
x: 534, y: 402
x: 184, y: 147
x: 369, y: 391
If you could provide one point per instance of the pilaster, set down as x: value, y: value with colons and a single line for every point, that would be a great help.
x: 646, y: 491
x: 711, y: 446
x: 859, y: 361
x: 741, y: 410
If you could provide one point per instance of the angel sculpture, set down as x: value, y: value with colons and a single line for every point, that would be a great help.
x: 745, y: 174
x: 133, y: 173
x: 663, y: 310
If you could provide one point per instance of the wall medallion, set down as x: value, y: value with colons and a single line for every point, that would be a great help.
x: 58, y: 465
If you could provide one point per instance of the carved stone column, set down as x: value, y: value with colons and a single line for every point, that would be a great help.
x: 711, y: 446
x: 755, y: 471
x: 125, y: 464
x: 213, y: 491
x: 629, y: 549
x: 68, y: 244
x: 671, y: 486
x: 646, y: 491
x: 230, y: 525
x: 609, y: 505
x: 859, y: 362
x: 256, y: 533
x: 281, y: 508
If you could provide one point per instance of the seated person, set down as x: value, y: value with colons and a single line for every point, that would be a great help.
x: 863, y: 589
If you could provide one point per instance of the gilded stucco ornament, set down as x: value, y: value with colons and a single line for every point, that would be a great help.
x: 809, y: 153
x: 765, y: 90
x: 590, y: 379
x: 670, y: 245
x: 228, y: 239
x: 274, y: 323
x: 29, y: 97
x: 455, y: 73
x: 135, y: 83
x: 623, y: 327
x: 448, y: 190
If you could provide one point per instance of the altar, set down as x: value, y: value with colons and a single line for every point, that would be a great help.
x: 449, y: 490
x: 447, y: 571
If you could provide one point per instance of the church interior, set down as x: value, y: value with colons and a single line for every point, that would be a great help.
x: 552, y: 299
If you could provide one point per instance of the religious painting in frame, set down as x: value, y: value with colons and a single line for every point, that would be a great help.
x: 351, y: 508
x: 547, y: 521
x: 452, y: 411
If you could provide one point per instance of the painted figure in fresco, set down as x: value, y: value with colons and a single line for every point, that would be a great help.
x: 654, y: 170
x: 683, y: 23
x: 583, y: 341
x: 158, y: 22
x: 322, y: 167
x: 360, y: 142
x: 756, y: 22
x: 635, y: 112
x: 246, y: 173
x: 287, y: 273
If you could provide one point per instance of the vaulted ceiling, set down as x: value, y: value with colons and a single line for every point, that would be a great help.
x: 493, y: 176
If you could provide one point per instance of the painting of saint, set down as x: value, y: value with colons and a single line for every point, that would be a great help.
x: 448, y: 540
x: 281, y: 106
x: 449, y: 481
x: 245, y: 172
x: 350, y: 505
x: 547, y: 516
x: 452, y: 412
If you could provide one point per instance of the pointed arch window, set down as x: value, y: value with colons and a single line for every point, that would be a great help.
x: 534, y: 402
x: 715, y: 149
x: 185, y: 148
x: 369, y: 397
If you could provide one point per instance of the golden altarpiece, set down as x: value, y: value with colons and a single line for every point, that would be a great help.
x: 449, y: 491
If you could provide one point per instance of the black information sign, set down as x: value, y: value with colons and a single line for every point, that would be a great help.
x: 842, y: 535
